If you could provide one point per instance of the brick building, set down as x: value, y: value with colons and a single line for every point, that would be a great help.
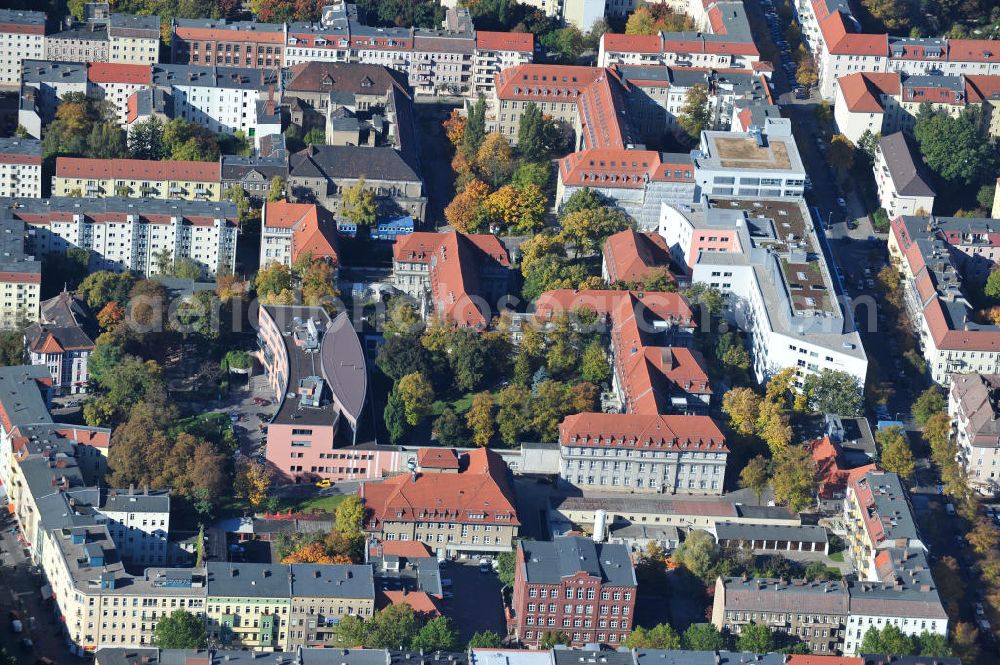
x: 572, y: 585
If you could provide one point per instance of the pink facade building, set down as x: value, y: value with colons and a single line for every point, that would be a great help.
x: 316, y: 370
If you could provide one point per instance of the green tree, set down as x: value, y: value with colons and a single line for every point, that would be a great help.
x: 486, y: 639
x: 475, y: 129
x: 703, y: 637
x: 696, y: 113
x: 513, y: 416
x: 552, y: 638
x: 757, y: 638
x: 438, y: 634
x: 272, y: 280
x: 794, y: 477
x: 449, y: 430
x: 181, y: 630
x: 933, y: 644
x: 754, y: 476
x: 833, y: 391
x: 697, y: 553
x: 358, y: 204
x: 660, y: 636
x: 106, y: 141
x: 531, y: 134
x: 100, y: 288
x: 538, y: 174
x: 505, y: 568
x: 953, y: 147
x: 992, y: 286
x: 394, y: 627
x: 567, y: 44
x: 145, y: 140
x: 889, y: 640
x: 349, y: 516
x: 594, y: 366
x: 742, y: 405
x: 276, y: 192
x: 480, y: 420
x: 930, y: 402
x: 417, y: 395
x: 707, y: 296
x: 395, y: 416
x: 985, y: 196
x: 588, y: 229
x: 351, y: 631
x: 581, y: 199
x: 895, y: 454
x: 841, y: 153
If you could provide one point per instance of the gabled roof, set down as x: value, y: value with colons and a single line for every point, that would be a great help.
x: 907, y: 175
x: 523, y: 42
x: 353, y: 77
x: 480, y: 493
x: 137, y: 169
x: 550, y: 562
x: 645, y: 431
x: 313, y: 229
x: 861, y: 91
x: 632, y: 257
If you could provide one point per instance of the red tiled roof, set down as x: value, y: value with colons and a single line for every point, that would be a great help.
x: 480, y: 487
x: 421, y: 601
x: 839, y: 41
x: 824, y: 660
x: 505, y: 41
x: 642, y: 431
x: 632, y: 43
x: 978, y: 88
x: 229, y: 33
x: 632, y: 257
x: 454, y: 274
x: 107, y: 72
x: 532, y: 82
x: 833, y: 480
x: 16, y: 158
x: 861, y: 91
x: 137, y: 169
x: 413, y: 549
x: 973, y: 50
x: 437, y: 458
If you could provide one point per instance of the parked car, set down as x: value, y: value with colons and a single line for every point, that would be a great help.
x: 324, y: 484
x: 15, y: 621
x: 260, y: 401
x: 801, y: 92
x: 485, y: 566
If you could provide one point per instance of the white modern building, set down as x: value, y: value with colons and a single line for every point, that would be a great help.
x: 130, y: 234
x: 22, y: 37
x: 763, y: 162
x: 139, y: 522
x: 903, y: 187
x: 765, y: 257
x: 975, y: 414
x: 20, y: 167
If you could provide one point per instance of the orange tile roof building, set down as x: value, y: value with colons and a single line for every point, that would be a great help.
x: 938, y: 257
x: 612, y: 111
x: 833, y: 35
x: 290, y: 230
x: 654, y: 373
x: 471, y: 511
x: 888, y: 102
x: 460, y: 277
x: 137, y: 178
x: 634, y: 258
x: 61, y: 340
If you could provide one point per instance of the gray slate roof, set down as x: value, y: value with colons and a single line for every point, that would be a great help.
x: 332, y: 581
x: 19, y: 146
x: 46, y: 71
x: 248, y: 580
x: 907, y: 176
x: 804, y: 533
x: 22, y: 401
x: 351, y: 162
x: 591, y: 657
x: 664, y: 657
x: 548, y: 562
x: 126, y: 501
x: 22, y: 17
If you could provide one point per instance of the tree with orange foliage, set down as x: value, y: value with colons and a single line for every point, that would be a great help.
x: 465, y: 212
x: 521, y: 210
x: 495, y: 159
x: 314, y: 553
x: 111, y: 316
x: 454, y: 127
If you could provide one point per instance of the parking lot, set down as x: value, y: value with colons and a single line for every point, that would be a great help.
x: 477, y: 604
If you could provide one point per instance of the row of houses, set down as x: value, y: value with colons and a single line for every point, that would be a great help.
x: 835, y: 38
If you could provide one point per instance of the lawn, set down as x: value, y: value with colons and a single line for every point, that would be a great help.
x: 324, y: 504
x: 837, y: 556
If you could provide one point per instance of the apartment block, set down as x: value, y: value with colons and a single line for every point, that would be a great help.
x: 883, y: 103
x: 763, y: 163
x: 452, y: 503
x: 20, y: 275
x: 254, y: 174
x: 137, y: 178
x: 764, y: 254
x: 132, y: 234
x: 22, y: 37
x: 281, y: 607
x: 117, y: 38
x: 902, y: 184
x: 61, y: 341
x: 834, y: 37
x: 937, y: 257
x: 458, y: 276
x: 725, y: 41
x: 878, y: 517
x: 973, y: 407
x: 572, y: 585
x: 222, y: 43
x: 315, y: 367
x: 495, y: 52
x: 20, y: 167
x: 43, y: 84
x: 632, y: 258
x: 139, y: 523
